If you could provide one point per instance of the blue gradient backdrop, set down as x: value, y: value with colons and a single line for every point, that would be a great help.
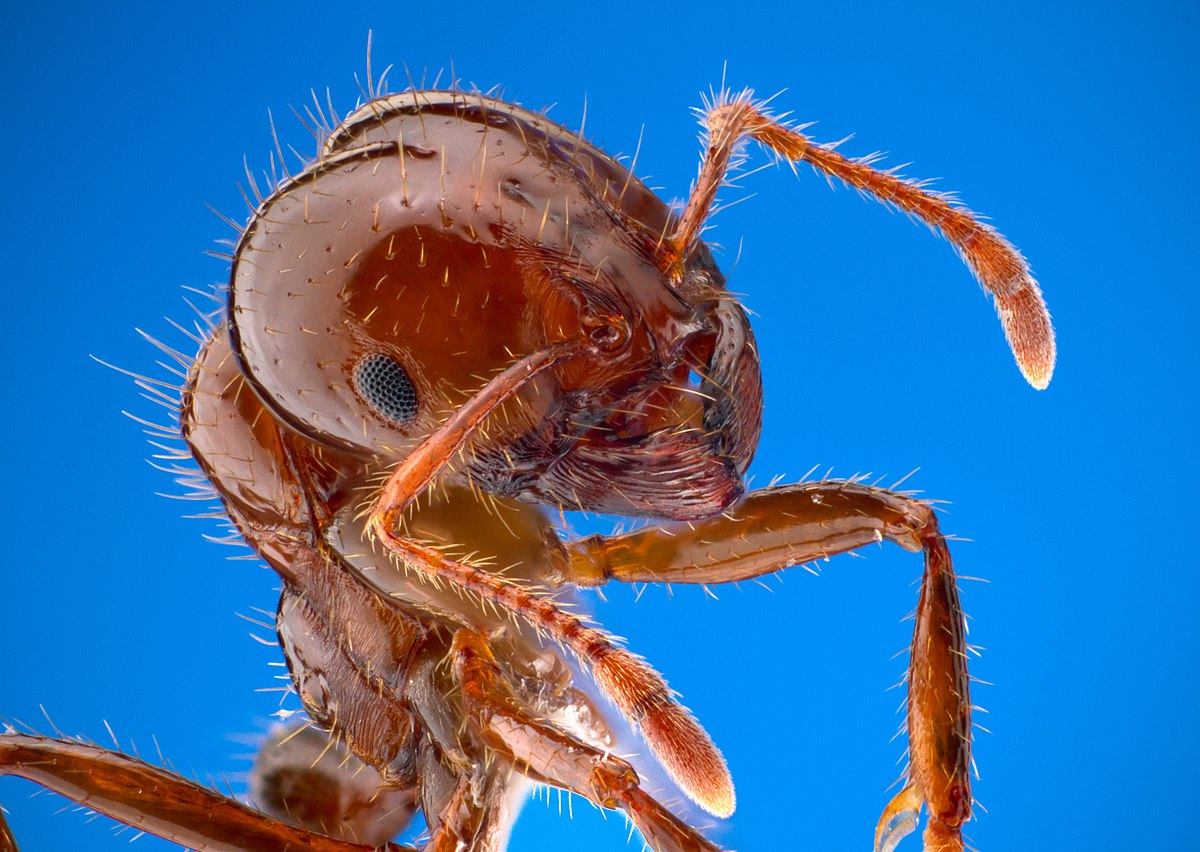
x: 1071, y: 125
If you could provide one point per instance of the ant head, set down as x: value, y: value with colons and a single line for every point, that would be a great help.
x: 439, y: 237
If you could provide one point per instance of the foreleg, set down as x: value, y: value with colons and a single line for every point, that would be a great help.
x: 789, y: 525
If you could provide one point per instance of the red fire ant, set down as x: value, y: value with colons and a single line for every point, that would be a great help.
x: 458, y: 316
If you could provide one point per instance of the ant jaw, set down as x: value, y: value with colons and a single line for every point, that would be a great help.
x: 641, y: 476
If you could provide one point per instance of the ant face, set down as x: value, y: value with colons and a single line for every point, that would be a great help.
x: 662, y: 418
x: 380, y: 289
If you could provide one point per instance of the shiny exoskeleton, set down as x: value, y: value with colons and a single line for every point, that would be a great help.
x: 459, y: 319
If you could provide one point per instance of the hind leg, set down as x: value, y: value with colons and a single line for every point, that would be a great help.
x: 154, y: 800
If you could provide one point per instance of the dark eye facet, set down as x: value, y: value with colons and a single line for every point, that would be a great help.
x: 382, y: 382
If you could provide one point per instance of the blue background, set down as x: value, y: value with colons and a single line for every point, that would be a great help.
x: 1073, y: 127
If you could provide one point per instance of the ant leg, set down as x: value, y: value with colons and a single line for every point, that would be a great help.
x: 546, y: 753
x: 472, y: 817
x: 155, y: 800
x: 8, y: 843
x: 789, y: 525
x: 766, y: 530
x: 641, y: 693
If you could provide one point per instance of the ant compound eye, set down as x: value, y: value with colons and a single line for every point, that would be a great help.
x: 382, y: 382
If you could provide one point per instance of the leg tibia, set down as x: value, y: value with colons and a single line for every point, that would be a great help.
x: 939, y: 705
x: 154, y: 800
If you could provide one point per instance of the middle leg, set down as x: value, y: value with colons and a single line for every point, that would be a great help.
x: 551, y: 755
